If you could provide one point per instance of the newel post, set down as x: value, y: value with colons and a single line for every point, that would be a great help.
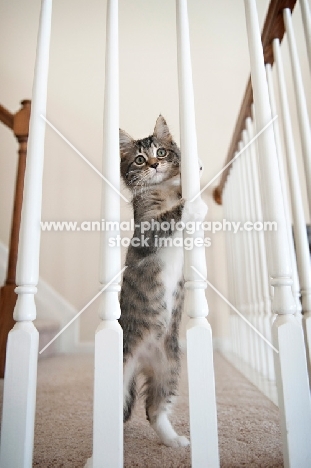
x: 19, y: 397
x: 203, y: 416
x: 7, y: 294
x: 290, y: 361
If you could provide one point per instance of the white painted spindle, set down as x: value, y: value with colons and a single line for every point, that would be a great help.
x: 241, y: 303
x: 226, y: 212
x: 300, y: 233
x: 254, y: 318
x: 306, y: 19
x: 302, y: 111
x: 202, y: 404
x: 233, y: 277
x: 279, y: 152
x: 231, y: 200
x: 261, y: 189
x: 244, y: 280
x: 290, y: 362
x: 19, y: 399
x: 254, y: 234
x: 108, y: 380
x: 227, y: 207
x: 265, y: 321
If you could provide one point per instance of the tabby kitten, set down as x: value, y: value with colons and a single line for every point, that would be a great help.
x: 152, y: 289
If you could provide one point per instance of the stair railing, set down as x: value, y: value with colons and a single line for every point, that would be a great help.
x: 19, y: 124
x: 254, y: 188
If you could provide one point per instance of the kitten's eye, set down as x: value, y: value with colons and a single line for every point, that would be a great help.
x: 140, y: 160
x: 161, y: 153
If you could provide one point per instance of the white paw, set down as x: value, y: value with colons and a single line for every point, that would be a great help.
x: 89, y: 463
x: 178, y: 441
x: 194, y: 211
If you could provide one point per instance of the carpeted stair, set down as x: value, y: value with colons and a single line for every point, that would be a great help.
x: 249, y: 433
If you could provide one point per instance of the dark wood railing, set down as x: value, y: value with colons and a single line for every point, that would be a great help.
x: 19, y: 123
x: 273, y: 29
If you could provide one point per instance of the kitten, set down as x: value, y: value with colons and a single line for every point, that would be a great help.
x: 152, y: 289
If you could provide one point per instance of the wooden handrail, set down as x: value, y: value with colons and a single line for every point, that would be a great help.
x: 19, y: 123
x: 6, y: 117
x: 273, y: 28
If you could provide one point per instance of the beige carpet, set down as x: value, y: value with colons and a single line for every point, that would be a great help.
x: 249, y: 433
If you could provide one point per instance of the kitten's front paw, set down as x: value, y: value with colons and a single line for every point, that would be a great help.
x: 89, y: 463
x: 178, y: 441
x: 194, y: 211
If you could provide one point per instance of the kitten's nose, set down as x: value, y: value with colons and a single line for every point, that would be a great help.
x: 154, y: 165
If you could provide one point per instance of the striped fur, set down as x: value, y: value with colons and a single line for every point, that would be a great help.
x: 152, y: 289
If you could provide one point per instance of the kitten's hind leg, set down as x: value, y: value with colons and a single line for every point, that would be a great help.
x: 159, y: 393
x: 129, y: 388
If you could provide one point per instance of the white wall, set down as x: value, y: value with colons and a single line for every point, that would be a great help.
x: 148, y: 86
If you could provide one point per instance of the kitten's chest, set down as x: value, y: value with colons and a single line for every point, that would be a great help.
x: 171, y: 258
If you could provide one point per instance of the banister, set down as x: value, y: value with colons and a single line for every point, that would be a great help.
x: 19, y: 124
x: 273, y: 28
x: 6, y: 117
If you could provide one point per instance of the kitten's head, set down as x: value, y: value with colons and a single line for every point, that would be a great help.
x: 151, y: 160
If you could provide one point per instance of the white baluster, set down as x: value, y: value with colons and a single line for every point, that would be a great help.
x: 306, y: 19
x: 249, y: 239
x: 228, y: 258
x: 19, y: 399
x: 290, y: 362
x: 202, y: 404
x: 265, y: 318
x: 301, y: 103
x: 226, y: 202
x: 241, y: 350
x: 233, y: 258
x: 248, y: 354
x: 238, y: 266
x: 245, y: 350
x: 255, y: 269
x: 300, y: 233
x: 261, y: 192
x: 108, y: 379
x: 236, y: 262
x: 295, y: 287
x: 234, y: 275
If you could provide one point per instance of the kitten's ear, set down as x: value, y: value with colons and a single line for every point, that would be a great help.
x: 126, y: 141
x: 161, y: 131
